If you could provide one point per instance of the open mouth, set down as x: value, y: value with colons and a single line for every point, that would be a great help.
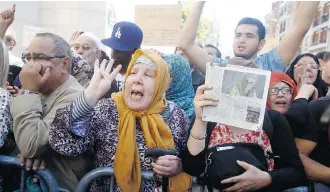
x: 281, y: 103
x: 136, y: 95
x: 241, y: 48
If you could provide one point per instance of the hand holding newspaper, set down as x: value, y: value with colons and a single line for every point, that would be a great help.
x: 242, y: 94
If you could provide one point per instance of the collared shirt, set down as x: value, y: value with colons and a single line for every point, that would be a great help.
x: 270, y: 61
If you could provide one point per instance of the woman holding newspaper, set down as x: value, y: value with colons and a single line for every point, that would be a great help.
x: 236, y: 159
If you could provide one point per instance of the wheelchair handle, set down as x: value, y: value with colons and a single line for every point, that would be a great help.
x: 157, y: 152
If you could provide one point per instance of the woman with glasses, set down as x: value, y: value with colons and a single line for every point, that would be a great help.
x: 284, y: 97
x: 305, y: 69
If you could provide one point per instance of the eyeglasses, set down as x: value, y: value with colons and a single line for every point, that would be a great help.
x: 311, y: 65
x: 85, y: 47
x: 285, y: 91
x: 39, y: 56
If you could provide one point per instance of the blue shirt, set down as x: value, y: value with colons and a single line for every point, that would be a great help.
x: 270, y: 61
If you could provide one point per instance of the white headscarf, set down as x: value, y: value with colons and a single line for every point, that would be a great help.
x: 95, y: 39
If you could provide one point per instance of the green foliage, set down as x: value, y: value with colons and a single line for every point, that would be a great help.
x: 203, y: 27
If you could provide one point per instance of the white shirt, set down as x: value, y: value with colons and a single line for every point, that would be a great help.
x: 120, y: 81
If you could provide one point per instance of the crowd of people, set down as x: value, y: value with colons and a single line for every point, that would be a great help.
x: 70, y: 107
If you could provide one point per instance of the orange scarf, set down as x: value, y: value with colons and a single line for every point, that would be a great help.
x: 281, y: 77
x: 155, y: 131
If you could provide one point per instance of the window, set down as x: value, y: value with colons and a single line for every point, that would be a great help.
x: 324, y: 34
x: 325, y: 13
x: 324, y: 18
x: 282, y: 26
x: 317, y: 19
x: 315, y: 38
x: 273, y: 29
x: 326, y: 9
x: 318, y: 14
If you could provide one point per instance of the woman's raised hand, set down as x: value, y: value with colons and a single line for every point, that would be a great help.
x: 101, y: 81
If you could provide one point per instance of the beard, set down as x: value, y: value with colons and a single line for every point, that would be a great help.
x: 248, y: 55
x: 122, y: 59
x: 245, y: 56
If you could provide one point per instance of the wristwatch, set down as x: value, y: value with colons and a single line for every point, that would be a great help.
x: 27, y: 92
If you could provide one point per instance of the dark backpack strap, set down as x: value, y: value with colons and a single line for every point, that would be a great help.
x: 329, y: 133
x: 268, y: 126
x: 209, y: 129
x: 202, y: 179
x: 209, y: 188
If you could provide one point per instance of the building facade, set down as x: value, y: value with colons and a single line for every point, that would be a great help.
x: 62, y: 17
x: 280, y: 19
x: 277, y: 22
x: 317, y: 38
x: 271, y: 21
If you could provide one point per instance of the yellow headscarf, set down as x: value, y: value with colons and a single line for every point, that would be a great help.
x: 155, y: 131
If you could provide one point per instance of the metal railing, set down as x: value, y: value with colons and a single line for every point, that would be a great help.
x: 84, y: 183
x: 109, y: 172
x: 44, y: 174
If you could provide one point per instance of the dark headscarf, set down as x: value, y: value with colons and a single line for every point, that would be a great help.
x: 319, y: 84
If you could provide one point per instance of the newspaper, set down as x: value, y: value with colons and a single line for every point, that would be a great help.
x: 242, y: 94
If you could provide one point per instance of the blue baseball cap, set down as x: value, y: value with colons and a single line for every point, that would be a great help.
x: 126, y: 36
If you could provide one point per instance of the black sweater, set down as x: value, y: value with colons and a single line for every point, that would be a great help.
x: 317, y: 132
x: 289, y: 170
x: 297, y: 116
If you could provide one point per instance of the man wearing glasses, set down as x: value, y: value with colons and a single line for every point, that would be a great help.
x: 46, y: 87
x: 89, y: 47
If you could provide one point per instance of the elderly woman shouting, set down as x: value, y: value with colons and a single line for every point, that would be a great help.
x: 122, y: 127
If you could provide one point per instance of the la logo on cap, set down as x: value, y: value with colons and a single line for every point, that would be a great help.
x: 118, y: 34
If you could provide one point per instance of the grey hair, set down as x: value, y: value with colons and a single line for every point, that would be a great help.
x: 4, y: 64
x: 62, y: 47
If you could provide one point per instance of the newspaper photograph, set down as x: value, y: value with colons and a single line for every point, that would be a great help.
x: 242, y: 94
